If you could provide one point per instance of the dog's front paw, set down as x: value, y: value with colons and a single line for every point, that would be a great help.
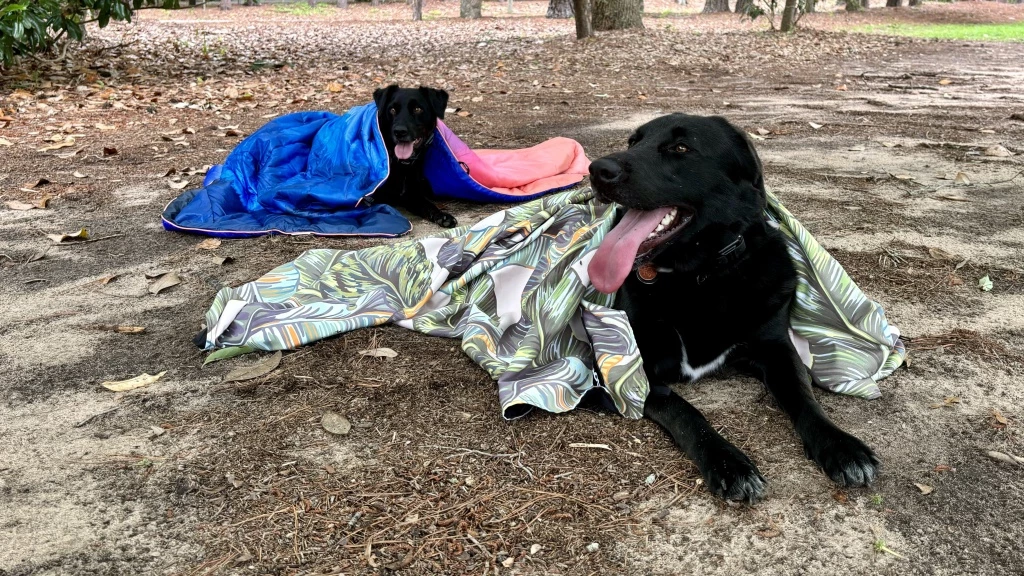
x: 445, y: 220
x: 729, y: 474
x: 843, y: 458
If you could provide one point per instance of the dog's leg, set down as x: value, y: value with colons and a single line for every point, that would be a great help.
x: 843, y: 457
x: 417, y: 200
x: 727, y: 471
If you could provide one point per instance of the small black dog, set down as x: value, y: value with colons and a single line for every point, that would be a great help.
x: 705, y: 280
x: 407, y: 117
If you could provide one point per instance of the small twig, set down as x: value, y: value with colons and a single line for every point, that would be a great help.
x: 90, y: 240
x: 95, y: 416
x: 1010, y: 179
x: 470, y: 451
x: 478, y: 545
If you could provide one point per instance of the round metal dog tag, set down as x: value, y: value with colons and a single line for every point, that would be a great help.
x: 647, y: 273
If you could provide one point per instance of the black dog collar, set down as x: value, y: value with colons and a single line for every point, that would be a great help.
x: 648, y: 272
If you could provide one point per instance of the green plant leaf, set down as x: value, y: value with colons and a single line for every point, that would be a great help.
x: 225, y: 353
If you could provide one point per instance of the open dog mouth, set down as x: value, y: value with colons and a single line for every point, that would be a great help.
x: 404, y: 150
x: 633, y: 241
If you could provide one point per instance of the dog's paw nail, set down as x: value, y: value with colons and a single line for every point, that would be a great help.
x: 846, y: 460
x: 732, y: 476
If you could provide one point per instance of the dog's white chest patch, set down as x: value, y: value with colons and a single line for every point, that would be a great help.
x: 698, y: 372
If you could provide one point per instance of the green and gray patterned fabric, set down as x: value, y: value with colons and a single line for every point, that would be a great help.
x: 514, y: 288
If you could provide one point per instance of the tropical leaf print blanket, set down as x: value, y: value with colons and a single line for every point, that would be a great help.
x: 514, y: 288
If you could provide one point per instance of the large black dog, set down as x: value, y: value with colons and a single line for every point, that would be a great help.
x: 705, y: 280
x: 407, y: 117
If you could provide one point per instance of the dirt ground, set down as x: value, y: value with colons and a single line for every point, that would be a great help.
x: 192, y: 475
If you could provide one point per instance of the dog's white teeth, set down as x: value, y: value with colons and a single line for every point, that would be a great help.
x: 652, y: 234
x: 660, y: 227
x: 666, y: 220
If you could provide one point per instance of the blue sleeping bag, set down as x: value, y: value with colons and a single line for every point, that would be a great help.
x: 310, y: 173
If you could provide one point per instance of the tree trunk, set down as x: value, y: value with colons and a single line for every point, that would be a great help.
x: 584, y: 19
x: 809, y: 6
x: 893, y: 3
x: 788, y: 16
x: 743, y: 6
x: 510, y: 9
x: 865, y: 4
x: 914, y: 3
x: 618, y: 14
x: 225, y: 4
x: 560, y: 9
x: 470, y: 8
x: 374, y: 2
x: 312, y: 3
x: 852, y: 5
x: 343, y: 4
x: 715, y: 6
x: 417, y: 10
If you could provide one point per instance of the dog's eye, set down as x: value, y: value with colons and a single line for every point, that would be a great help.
x: 417, y: 110
x: 394, y: 111
x: 680, y: 148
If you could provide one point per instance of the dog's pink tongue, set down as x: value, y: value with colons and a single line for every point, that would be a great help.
x: 614, y: 258
x: 403, y: 150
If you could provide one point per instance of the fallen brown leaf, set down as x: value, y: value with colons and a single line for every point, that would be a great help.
x: 261, y: 368
x: 70, y: 141
x: 1000, y: 419
x: 132, y: 383
x: 940, y: 254
x: 997, y: 151
x: 379, y: 353
x: 82, y: 234
x: 208, y: 244
x: 164, y: 282
x: 924, y: 488
x: 335, y: 423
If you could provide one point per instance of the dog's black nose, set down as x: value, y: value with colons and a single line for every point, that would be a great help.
x: 400, y: 133
x: 606, y: 171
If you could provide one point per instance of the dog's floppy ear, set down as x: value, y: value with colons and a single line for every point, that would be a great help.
x: 438, y: 100
x: 381, y: 96
x: 759, y: 176
x: 748, y: 163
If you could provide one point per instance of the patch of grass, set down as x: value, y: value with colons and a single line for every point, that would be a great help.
x: 302, y: 9
x: 1010, y: 32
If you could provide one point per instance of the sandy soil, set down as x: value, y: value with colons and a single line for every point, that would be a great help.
x: 191, y: 475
